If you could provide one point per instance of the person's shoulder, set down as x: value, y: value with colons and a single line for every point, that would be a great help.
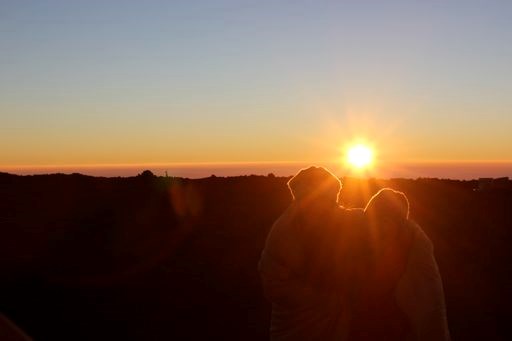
x: 351, y: 212
x: 282, y: 225
x: 355, y: 213
x: 281, y: 237
x: 352, y: 216
x: 414, y: 227
x: 287, y: 215
x: 421, y: 240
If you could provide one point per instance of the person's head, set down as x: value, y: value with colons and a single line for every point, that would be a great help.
x: 388, y: 204
x: 315, y: 185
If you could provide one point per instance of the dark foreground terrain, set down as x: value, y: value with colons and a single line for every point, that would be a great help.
x: 154, y: 258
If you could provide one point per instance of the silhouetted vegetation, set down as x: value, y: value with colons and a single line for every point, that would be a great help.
x: 164, y: 258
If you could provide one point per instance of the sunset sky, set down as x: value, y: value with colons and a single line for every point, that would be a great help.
x: 141, y: 82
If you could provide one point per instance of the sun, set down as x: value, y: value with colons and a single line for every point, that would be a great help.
x: 359, y: 156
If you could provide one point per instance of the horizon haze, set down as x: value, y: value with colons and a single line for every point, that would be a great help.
x: 409, y: 170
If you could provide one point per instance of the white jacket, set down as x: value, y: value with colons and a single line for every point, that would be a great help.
x: 302, y: 312
x: 419, y: 292
x: 299, y: 311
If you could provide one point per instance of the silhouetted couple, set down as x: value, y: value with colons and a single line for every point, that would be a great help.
x: 350, y: 274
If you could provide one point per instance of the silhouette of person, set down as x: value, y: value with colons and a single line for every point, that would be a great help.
x: 401, y: 294
x: 338, y: 274
x: 297, y: 262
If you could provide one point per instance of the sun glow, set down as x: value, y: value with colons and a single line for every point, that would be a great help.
x: 359, y: 156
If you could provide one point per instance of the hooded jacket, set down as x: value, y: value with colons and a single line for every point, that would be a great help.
x: 295, y: 266
x: 310, y: 297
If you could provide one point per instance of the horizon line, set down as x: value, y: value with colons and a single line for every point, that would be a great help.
x: 218, y: 163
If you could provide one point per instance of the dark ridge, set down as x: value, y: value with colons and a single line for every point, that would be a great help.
x: 168, y: 258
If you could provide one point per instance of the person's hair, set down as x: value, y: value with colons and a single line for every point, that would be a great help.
x: 315, y: 183
x: 389, y: 202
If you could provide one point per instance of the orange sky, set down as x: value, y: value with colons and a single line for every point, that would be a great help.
x: 94, y: 84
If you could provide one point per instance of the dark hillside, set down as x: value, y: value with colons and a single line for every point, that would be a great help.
x: 154, y: 258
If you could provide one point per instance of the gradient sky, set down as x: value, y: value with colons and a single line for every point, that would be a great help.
x: 94, y: 82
